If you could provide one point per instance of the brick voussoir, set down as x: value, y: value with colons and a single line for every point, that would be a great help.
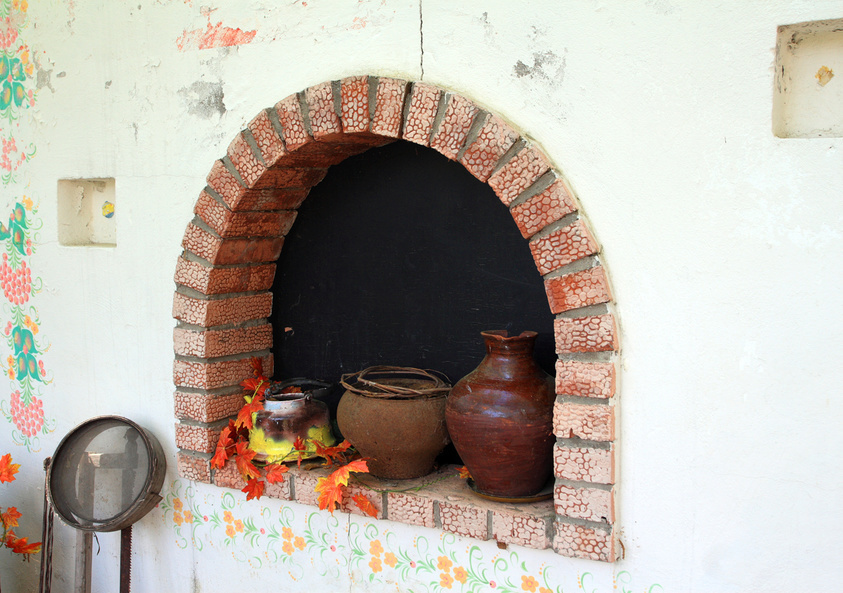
x: 215, y: 343
x: 292, y: 123
x: 269, y: 143
x: 424, y: 103
x: 389, y: 107
x: 451, y: 135
x: 193, y: 466
x: 207, y: 279
x: 213, y: 312
x: 585, y: 379
x: 225, y: 184
x: 595, y: 333
x: 543, y: 209
x: 519, y: 173
x: 589, y: 504
x: 324, y: 120
x: 578, y: 289
x: 250, y: 223
x: 247, y: 164
x: 484, y: 153
x: 591, y: 422
x: 238, y: 250
x: 209, y: 374
x: 582, y: 541
x: 584, y: 464
x: 206, y: 407
x: 562, y: 247
x: 354, y: 105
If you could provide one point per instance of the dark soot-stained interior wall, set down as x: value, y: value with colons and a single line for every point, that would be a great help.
x: 401, y: 257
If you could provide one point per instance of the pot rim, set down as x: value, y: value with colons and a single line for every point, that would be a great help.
x: 362, y: 383
x: 503, y: 335
x: 274, y: 405
x: 309, y: 387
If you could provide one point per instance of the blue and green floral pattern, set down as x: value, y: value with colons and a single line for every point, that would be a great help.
x: 23, y: 364
x: 17, y: 88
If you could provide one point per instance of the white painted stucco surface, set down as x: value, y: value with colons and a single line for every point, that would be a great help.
x: 724, y: 245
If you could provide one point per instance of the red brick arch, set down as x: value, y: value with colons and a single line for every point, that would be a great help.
x: 224, y: 281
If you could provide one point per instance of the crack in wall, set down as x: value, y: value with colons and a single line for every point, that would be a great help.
x: 421, y: 41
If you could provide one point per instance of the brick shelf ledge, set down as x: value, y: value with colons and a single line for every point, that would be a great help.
x: 224, y: 281
x: 440, y: 500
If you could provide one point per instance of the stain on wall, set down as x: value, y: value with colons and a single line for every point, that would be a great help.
x: 546, y: 66
x: 204, y: 99
x: 214, y: 35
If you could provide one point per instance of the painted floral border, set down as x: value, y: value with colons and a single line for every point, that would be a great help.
x: 24, y: 364
x: 17, y: 88
x: 369, y: 550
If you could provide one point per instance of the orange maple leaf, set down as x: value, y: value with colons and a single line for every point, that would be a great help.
x: 20, y: 545
x: 219, y: 458
x: 7, y: 468
x: 243, y: 459
x: 464, y: 473
x: 253, y: 488
x: 244, y: 417
x: 300, y: 448
x: 359, y: 466
x: 364, y: 504
x: 257, y: 366
x: 331, y: 454
x: 292, y: 389
x: 330, y: 493
x: 331, y: 488
x: 275, y: 472
x: 25, y: 548
x: 223, y: 444
x: 10, y: 517
x: 257, y: 386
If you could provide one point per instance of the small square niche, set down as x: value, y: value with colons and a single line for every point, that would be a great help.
x: 86, y: 212
x: 808, y: 93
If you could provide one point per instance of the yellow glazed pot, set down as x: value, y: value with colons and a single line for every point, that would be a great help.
x: 287, y: 417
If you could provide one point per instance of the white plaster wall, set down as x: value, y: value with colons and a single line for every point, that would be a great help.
x: 723, y: 242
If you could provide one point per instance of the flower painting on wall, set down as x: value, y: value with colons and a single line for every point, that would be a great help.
x: 17, y: 87
x: 295, y: 544
x: 23, y: 361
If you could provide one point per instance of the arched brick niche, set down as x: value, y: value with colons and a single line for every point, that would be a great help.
x: 224, y: 280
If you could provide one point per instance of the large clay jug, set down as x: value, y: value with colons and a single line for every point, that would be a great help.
x: 500, y: 418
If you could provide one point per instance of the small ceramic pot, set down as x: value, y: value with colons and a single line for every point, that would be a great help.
x: 396, y: 422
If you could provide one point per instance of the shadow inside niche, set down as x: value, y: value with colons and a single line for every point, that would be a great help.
x: 401, y: 257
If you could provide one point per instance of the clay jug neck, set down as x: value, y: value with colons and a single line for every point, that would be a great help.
x: 511, y: 356
x: 499, y: 343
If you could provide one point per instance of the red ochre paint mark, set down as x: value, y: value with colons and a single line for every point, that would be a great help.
x: 214, y: 36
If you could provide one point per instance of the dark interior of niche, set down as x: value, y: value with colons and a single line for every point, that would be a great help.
x: 401, y: 257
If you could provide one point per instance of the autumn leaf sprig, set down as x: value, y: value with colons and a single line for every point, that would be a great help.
x: 234, y: 443
x: 9, y: 517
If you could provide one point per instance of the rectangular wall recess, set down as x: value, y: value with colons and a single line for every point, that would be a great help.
x: 808, y: 92
x: 86, y: 212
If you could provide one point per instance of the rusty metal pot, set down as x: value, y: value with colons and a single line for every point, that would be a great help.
x: 290, y: 416
x: 395, y: 417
